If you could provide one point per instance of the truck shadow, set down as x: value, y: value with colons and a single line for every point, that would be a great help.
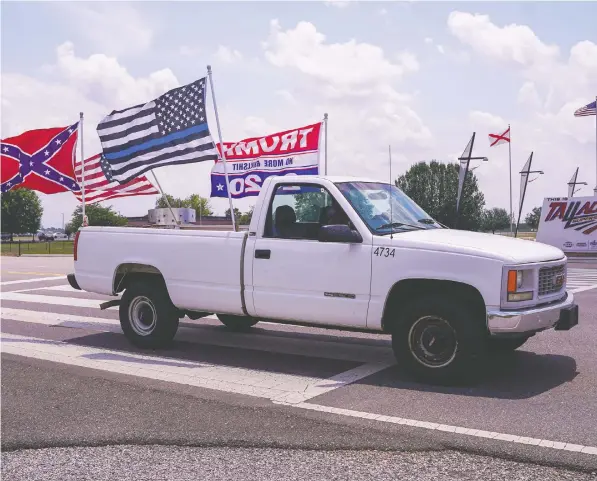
x: 514, y: 376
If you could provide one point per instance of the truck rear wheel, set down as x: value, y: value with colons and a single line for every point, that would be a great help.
x: 237, y: 323
x: 440, y: 340
x: 148, y: 318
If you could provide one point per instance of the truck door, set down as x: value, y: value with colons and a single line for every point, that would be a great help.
x: 296, y: 277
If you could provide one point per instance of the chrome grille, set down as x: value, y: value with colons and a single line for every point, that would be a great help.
x: 549, y: 277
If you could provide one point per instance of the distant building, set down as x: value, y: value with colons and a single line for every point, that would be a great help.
x: 186, y: 216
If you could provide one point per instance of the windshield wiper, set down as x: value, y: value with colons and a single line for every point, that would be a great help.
x: 398, y: 224
x: 426, y: 221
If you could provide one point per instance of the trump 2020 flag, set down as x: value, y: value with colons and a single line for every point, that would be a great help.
x: 169, y: 130
x: 251, y: 161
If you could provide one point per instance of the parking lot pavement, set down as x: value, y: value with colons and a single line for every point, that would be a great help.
x: 69, y: 379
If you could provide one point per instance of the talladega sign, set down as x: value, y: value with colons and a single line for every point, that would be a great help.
x: 570, y: 224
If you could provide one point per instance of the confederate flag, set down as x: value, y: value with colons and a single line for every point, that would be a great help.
x: 41, y: 159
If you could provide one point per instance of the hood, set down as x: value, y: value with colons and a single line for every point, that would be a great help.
x: 500, y: 247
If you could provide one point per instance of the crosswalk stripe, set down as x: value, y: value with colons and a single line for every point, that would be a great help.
x: 327, y: 349
x: 276, y: 386
x: 24, y: 281
x: 56, y: 301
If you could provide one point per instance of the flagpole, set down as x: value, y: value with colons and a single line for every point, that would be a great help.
x: 165, y: 197
x: 325, y: 128
x: 510, y: 162
x: 595, y: 189
x: 84, y: 221
x: 223, y: 153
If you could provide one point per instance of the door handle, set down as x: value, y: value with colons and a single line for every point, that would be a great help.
x: 262, y: 253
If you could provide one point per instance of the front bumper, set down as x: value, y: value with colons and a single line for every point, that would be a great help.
x: 562, y: 316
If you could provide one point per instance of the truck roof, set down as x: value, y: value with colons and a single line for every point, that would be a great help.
x: 338, y: 178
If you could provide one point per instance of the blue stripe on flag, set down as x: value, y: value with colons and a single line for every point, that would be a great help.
x: 157, y: 142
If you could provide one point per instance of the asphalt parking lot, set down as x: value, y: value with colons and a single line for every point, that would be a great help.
x: 72, y: 385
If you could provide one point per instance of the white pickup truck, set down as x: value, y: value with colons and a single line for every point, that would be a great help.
x: 345, y: 253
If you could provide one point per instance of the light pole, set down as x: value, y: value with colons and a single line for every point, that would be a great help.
x: 63, y: 221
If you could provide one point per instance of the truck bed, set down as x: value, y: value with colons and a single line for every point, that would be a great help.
x: 201, y: 267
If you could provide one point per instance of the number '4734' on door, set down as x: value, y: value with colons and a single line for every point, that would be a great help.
x: 384, y: 252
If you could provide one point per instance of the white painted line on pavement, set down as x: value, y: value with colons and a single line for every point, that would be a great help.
x: 61, y: 288
x: 511, y: 438
x: 57, y: 301
x: 39, y: 279
x: 253, y: 341
x: 63, y: 320
x: 250, y: 382
x: 581, y: 289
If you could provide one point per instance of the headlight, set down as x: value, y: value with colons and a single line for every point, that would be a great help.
x: 516, y: 280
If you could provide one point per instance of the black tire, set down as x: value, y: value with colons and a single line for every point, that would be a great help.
x: 504, y: 345
x: 237, y: 323
x: 460, y: 331
x: 148, y: 318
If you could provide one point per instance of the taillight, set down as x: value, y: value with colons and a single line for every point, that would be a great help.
x: 76, y: 244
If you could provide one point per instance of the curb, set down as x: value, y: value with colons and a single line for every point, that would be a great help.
x: 45, y: 255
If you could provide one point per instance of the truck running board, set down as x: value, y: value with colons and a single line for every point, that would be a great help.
x: 112, y: 303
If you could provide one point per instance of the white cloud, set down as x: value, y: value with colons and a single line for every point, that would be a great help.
x: 441, y: 49
x: 357, y: 84
x: 227, y: 54
x: 189, y: 51
x: 428, y: 40
x: 350, y: 67
x: 338, y: 3
x: 382, y: 12
x: 512, y: 43
x: 95, y: 85
x: 113, y: 28
x: 553, y: 86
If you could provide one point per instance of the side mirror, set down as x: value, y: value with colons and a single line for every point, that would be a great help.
x: 339, y: 233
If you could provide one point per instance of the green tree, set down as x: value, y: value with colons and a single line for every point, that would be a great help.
x: 174, y: 202
x: 495, y: 219
x: 97, y: 215
x: 237, y: 213
x: 245, y: 218
x: 21, y: 211
x: 434, y: 186
x: 200, y: 204
x: 68, y: 229
x: 532, y: 218
x: 193, y: 201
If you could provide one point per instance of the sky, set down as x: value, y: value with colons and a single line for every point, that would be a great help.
x: 419, y: 76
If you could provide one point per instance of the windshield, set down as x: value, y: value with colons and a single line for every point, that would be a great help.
x: 372, y: 202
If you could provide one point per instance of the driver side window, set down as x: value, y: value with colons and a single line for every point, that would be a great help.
x: 298, y: 211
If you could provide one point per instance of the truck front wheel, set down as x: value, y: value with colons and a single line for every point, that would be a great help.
x: 237, y: 323
x: 148, y: 318
x: 440, y: 340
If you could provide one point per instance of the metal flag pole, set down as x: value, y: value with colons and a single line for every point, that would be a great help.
x: 84, y: 219
x: 325, y: 129
x: 595, y: 190
x: 165, y: 197
x: 223, y: 154
x: 510, y: 162
x: 523, y: 188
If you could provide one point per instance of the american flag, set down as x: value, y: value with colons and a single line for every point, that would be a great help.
x: 589, y: 109
x: 169, y: 130
x: 99, y: 188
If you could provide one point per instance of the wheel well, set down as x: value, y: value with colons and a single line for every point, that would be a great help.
x: 409, y: 289
x: 127, y: 273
